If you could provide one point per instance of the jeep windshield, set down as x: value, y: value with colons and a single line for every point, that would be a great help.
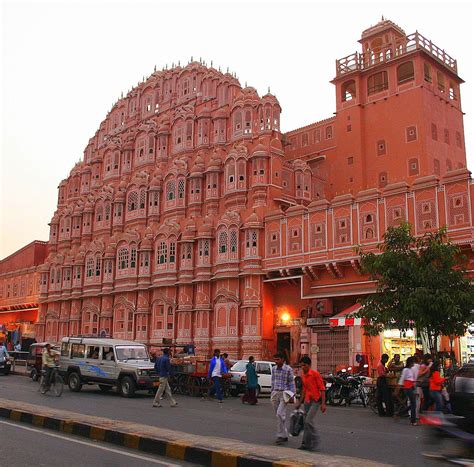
x: 131, y: 352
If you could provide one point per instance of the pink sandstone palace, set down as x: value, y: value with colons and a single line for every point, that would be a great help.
x: 193, y: 220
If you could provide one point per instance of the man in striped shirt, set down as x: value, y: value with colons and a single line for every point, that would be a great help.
x: 283, y: 381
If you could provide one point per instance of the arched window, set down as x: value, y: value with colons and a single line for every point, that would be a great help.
x: 170, y: 190
x: 142, y: 198
x: 223, y: 242
x: 181, y: 188
x: 233, y: 243
x: 133, y: 258
x: 132, y: 201
x: 248, y: 122
x: 348, y: 91
x: 98, y: 263
x: 172, y: 251
x: 377, y: 82
x: 90, y: 267
x: 107, y: 211
x: 123, y: 258
x: 405, y: 72
x: 98, y: 213
x: 440, y: 79
x: 238, y: 121
x: 162, y: 253
x: 452, y: 91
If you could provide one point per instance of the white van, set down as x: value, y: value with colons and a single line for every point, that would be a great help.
x: 108, y: 363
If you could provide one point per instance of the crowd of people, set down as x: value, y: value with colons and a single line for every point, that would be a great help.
x: 419, y: 379
x: 283, y: 391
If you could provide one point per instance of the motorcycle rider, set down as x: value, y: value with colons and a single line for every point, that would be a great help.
x: 49, y: 362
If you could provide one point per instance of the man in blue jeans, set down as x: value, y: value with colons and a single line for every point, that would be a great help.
x: 217, y: 368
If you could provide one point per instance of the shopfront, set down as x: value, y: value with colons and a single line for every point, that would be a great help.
x: 17, y: 326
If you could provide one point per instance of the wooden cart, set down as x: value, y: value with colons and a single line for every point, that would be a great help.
x: 190, y: 378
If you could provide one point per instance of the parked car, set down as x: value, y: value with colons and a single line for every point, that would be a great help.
x: 461, y: 391
x: 109, y: 363
x: 264, y: 373
x: 34, y: 360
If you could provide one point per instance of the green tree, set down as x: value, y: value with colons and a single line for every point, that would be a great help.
x: 421, y: 284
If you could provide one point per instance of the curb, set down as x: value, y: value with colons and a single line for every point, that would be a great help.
x: 190, y: 448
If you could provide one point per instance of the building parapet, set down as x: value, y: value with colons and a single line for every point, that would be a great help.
x: 366, y: 60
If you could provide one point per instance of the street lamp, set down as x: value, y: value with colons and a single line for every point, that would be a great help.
x: 285, y: 318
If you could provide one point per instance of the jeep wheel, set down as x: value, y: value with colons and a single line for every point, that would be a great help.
x: 104, y: 387
x: 257, y: 391
x: 74, y: 382
x: 127, y: 387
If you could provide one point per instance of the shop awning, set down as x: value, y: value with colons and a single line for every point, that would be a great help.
x: 346, y: 317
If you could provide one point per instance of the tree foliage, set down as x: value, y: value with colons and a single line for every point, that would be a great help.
x: 421, y: 283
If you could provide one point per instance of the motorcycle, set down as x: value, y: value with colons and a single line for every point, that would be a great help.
x: 345, y: 388
x: 453, y: 436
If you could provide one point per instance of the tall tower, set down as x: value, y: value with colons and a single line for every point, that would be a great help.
x: 398, y: 108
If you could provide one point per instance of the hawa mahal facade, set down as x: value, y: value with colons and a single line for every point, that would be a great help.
x: 193, y: 219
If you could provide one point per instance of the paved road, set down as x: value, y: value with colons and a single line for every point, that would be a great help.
x: 24, y: 445
x: 352, y: 431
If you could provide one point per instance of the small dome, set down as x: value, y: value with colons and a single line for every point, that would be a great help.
x: 271, y: 99
x: 109, y: 251
x: 156, y: 182
x: 260, y: 151
x: 206, y: 228
x: 146, y: 244
x: 276, y: 144
x: 220, y: 113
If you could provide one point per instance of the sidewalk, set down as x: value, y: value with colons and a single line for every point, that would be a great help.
x: 219, y: 452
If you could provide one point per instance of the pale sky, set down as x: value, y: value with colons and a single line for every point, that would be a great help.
x: 64, y: 64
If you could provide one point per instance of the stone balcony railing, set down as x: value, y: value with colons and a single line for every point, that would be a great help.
x: 363, y: 61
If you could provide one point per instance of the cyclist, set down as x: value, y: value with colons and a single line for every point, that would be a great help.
x: 49, y: 362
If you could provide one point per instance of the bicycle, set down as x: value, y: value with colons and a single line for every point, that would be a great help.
x: 56, y: 382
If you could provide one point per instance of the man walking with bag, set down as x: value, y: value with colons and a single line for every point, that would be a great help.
x: 283, y: 391
x: 163, y: 367
x: 313, y: 396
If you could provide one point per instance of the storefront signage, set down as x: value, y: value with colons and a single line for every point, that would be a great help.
x: 321, y: 321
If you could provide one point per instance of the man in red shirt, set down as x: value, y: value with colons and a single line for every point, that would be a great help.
x: 313, y: 396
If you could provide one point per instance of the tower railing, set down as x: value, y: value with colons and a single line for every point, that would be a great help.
x: 369, y: 59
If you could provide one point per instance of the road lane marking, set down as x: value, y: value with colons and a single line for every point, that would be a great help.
x: 105, y: 448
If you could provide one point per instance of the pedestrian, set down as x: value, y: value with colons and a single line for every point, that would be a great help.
x: 407, y: 381
x: 418, y: 392
x: 217, y: 368
x: 313, y: 396
x: 163, y: 367
x: 282, y: 392
x: 3, y: 352
x: 424, y: 381
x: 436, y: 386
x: 252, y: 382
x: 227, y: 362
x: 395, y: 365
x: 384, y: 394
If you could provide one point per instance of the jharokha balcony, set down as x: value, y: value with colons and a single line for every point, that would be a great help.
x: 366, y: 60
